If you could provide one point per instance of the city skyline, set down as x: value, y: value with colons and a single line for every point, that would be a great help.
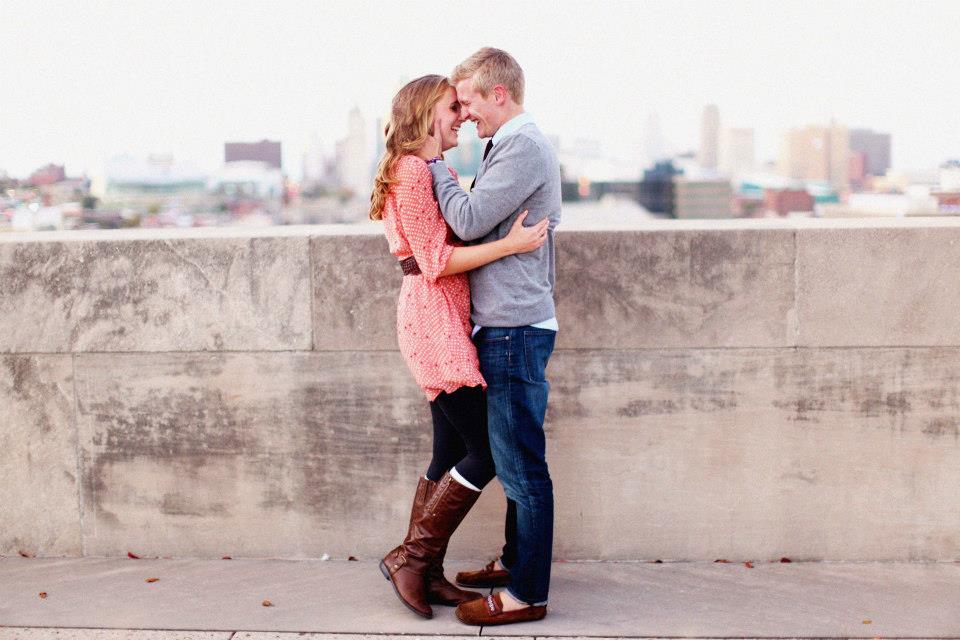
x: 87, y: 85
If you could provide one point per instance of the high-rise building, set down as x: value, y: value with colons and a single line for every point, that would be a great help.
x: 709, y: 155
x: 268, y: 151
x: 737, y: 152
x: 858, y: 170
x: 875, y: 147
x: 312, y: 162
x: 820, y: 153
x: 353, y: 158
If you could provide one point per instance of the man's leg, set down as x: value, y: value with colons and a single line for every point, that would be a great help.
x: 513, y: 362
x: 509, y: 554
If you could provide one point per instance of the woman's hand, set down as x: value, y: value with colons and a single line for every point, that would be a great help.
x: 523, y: 239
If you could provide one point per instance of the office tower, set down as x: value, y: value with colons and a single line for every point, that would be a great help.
x: 875, y: 147
x: 709, y: 137
x: 820, y: 153
x: 737, y: 152
x: 353, y: 158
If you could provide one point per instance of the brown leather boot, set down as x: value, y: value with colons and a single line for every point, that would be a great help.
x: 441, y: 591
x: 406, y: 567
x: 425, y: 487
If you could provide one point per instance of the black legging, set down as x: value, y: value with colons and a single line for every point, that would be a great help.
x: 460, y: 436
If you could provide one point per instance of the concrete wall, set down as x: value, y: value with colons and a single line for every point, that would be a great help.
x: 739, y: 390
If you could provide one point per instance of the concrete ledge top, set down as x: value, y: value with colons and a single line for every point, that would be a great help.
x: 373, y: 228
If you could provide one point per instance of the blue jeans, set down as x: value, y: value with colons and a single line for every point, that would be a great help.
x: 513, y: 361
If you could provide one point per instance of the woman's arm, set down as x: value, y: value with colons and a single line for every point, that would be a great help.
x: 426, y: 231
x: 521, y: 239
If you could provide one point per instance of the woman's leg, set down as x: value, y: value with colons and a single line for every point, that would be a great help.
x: 462, y: 449
x: 448, y: 446
x: 465, y: 410
x: 416, y: 567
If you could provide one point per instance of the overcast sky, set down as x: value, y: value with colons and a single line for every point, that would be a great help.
x: 83, y: 81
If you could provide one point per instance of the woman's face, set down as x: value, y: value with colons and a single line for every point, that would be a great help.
x: 447, y: 113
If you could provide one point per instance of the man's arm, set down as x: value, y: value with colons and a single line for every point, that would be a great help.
x: 513, y: 174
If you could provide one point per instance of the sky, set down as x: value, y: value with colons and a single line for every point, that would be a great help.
x: 81, y: 82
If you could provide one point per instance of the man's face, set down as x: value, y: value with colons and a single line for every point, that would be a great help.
x: 482, y: 110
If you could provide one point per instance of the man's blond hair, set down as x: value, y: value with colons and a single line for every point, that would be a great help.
x: 488, y: 68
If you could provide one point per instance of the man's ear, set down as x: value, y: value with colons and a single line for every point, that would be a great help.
x: 500, y: 94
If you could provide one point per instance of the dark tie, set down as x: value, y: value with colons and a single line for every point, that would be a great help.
x: 486, y: 150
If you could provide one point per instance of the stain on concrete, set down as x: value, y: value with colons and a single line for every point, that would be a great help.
x: 806, y: 477
x: 646, y: 407
x: 940, y: 427
x: 180, y: 504
x: 24, y: 377
x: 147, y: 295
x: 802, y: 409
x: 30, y: 384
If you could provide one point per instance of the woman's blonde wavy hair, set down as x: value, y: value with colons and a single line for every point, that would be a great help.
x: 411, y: 121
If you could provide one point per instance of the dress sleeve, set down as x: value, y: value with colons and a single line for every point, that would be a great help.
x: 420, y: 219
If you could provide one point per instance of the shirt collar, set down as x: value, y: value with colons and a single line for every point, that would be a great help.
x: 511, y: 126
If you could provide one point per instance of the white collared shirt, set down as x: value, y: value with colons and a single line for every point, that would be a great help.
x: 511, y: 125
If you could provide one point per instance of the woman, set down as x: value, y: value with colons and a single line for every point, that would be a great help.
x: 433, y: 330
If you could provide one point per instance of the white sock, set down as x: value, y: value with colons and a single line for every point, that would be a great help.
x: 459, y: 478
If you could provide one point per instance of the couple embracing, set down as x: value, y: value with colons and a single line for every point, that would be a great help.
x: 476, y: 325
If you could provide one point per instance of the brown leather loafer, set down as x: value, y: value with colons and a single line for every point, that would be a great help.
x: 486, y: 578
x: 489, y: 611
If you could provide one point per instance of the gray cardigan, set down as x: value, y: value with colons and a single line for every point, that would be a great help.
x: 520, y: 172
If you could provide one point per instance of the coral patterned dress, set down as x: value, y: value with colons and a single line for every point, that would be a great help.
x: 433, y: 312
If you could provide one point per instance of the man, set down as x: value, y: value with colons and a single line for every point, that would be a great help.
x: 515, y: 324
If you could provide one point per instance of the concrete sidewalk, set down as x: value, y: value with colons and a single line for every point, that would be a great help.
x: 218, y: 599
